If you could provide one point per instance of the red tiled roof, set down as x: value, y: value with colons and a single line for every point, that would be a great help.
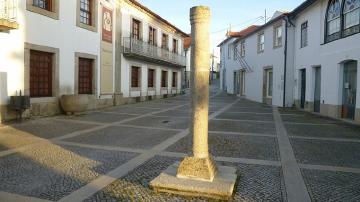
x: 187, y: 43
x: 243, y: 32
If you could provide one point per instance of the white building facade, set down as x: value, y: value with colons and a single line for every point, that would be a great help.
x: 253, y: 63
x: 316, y: 66
x: 54, y: 48
x: 153, y: 58
x: 326, y: 58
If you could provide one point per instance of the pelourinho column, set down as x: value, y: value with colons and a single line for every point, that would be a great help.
x: 198, y: 175
x: 200, y: 166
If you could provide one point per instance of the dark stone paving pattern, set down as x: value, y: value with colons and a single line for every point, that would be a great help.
x: 241, y: 126
x: 246, y: 116
x: 124, y: 137
x: 161, y: 122
x: 250, y: 109
x: 50, y: 128
x: 307, y: 119
x: 131, y: 110
x: 52, y: 172
x: 255, y: 183
x: 101, y: 117
x: 317, y: 152
x: 252, y: 147
x: 326, y: 131
x: 332, y: 186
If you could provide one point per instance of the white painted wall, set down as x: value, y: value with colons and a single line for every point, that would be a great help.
x: 329, y: 56
x: 258, y: 61
x: 41, y: 30
x: 128, y: 13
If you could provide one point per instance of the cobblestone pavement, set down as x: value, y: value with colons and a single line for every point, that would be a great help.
x: 113, y: 154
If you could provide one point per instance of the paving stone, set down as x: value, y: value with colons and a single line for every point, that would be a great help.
x: 11, y: 138
x: 50, y: 128
x: 241, y: 126
x: 124, y: 137
x: 307, y: 119
x: 253, y: 147
x: 251, y: 185
x: 332, y: 186
x: 246, y: 116
x: 250, y: 109
x: 101, y: 117
x: 327, y: 131
x: 132, y: 110
x: 161, y: 122
x: 52, y: 172
x: 318, y: 152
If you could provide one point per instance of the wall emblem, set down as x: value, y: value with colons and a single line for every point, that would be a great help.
x: 107, y: 25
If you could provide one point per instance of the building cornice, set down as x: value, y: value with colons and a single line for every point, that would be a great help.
x: 155, y: 16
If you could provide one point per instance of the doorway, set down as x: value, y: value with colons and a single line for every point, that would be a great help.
x: 303, y: 88
x: 349, y: 90
x: 317, y: 90
x: 236, y: 83
x: 242, y: 82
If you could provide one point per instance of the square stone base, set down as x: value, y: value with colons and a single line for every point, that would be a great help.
x: 221, y: 187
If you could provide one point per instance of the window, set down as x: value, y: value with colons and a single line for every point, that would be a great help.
x: 175, y: 46
x: 351, y: 17
x: 43, y: 4
x: 242, y: 48
x: 229, y: 51
x: 151, y: 76
x: 164, y: 80
x: 261, y: 43
x: 85, y: 76
x: 304, y: 34
x: 135, y: 75
x: 136, y: 29
x: 277, y: 36
x: 333, y: 21
x: 48, y: 8
x: 152, y: 36
x: 165, y: 41
x: 85, y: 12
x: 40, y: 74
x: 269, y: 88
x: 235, y: 51
x: 174, y: 79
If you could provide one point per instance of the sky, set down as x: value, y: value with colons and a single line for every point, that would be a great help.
x: 237, y: 13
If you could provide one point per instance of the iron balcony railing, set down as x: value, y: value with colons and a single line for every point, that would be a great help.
x: 151, y: 52
x: 8, y: 10
x: 242, y: 62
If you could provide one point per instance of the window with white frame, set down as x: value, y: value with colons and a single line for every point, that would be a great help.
x: 304, y: 34
x: 229, y: 51
x: 351, y: 15
x: 278, y: 36
x: 261, y: 42
x: 242, y: 48
x: 333, y: 21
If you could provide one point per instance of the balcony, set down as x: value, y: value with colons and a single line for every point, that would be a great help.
x: 8, y: 15
x: 138, y: 49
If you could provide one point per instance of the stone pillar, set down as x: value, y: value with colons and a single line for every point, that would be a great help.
x: 198, y: 175
x: 199, y: 17
x: 200, y: 166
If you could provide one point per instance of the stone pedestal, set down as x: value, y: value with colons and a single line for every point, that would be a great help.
x: 198, y: 175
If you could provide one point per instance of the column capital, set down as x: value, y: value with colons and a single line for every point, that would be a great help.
x: 199, y: 14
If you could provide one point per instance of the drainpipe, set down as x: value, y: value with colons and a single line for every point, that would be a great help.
x: 285, y: 60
